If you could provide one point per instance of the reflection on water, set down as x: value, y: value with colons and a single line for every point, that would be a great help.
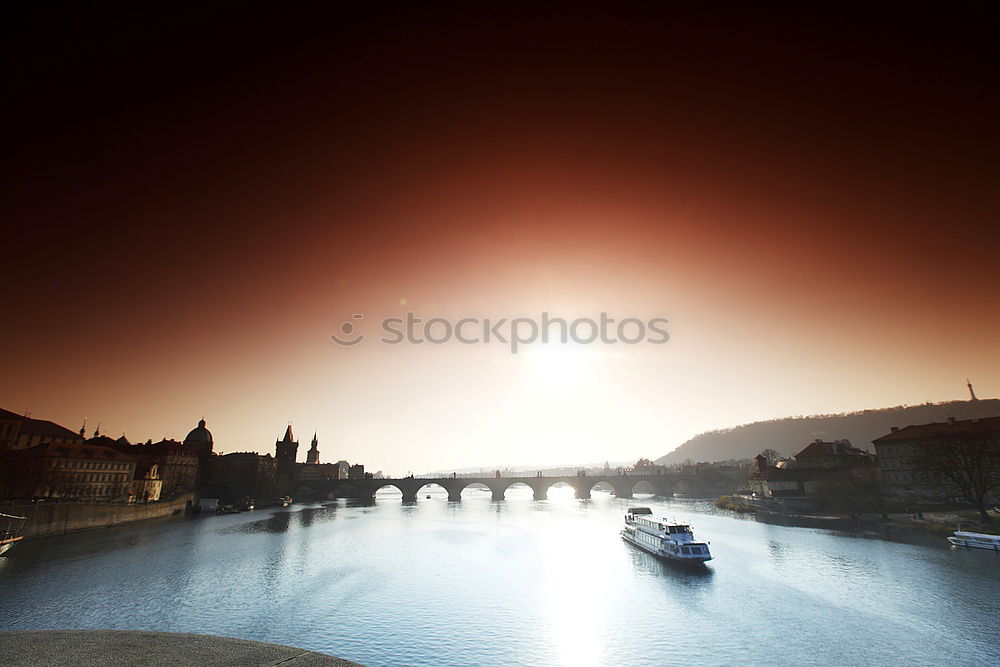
x: 517, y: 582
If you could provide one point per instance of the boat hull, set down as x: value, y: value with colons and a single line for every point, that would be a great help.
x: 971, y: 544
x: 7, y: 545
x: 690, y: 560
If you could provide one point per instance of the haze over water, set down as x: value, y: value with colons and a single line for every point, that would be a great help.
x: 517, y: 583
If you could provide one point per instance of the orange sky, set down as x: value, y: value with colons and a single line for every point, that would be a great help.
x: 807, y: 199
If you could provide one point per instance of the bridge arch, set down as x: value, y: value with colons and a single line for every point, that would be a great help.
x: 456, y: 492
x: 381, y: 486
x: 430, y: 489
x: 654, y: 486
x: 515, y: 484
x: 561, y: 487
x: 603, y: 485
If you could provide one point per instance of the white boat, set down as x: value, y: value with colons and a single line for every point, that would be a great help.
x: 665, y: 539
x: 963, y: 538
x: 11, y: 533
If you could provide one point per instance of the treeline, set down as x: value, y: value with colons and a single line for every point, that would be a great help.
x: 789, y: 435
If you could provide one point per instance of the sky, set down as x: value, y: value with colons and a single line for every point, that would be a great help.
x: 197, y: 198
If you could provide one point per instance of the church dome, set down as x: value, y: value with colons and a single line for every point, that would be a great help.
x: 200, y: 434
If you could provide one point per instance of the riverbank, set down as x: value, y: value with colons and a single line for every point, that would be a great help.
x: 925, y: 527
x: 47, y: 519
x: 83, y: 648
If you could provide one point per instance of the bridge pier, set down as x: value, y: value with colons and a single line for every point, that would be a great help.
x: 623, y: 493
x: 409, y: 496
x: 581, y: 492
x: 539, y: 493
x: 454, y: 495
x: 497, y: 494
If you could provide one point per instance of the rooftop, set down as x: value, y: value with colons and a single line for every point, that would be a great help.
x: 835, y: 448
x: 938, y: 429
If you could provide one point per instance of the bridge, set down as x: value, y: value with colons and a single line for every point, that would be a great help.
x: 623, y: 486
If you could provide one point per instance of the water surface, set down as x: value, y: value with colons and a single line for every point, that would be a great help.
x: 517, y: 582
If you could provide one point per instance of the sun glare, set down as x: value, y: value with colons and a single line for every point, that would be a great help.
x: 558, y: 365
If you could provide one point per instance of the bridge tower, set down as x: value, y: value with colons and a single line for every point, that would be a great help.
x: 312, y: 456
x: 285, y: 451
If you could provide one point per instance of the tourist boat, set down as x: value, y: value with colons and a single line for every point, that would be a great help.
x: 665, y: 539
x: 963, y: 538
x: 11, y: 534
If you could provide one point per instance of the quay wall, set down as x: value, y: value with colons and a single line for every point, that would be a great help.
x: 46, y: 519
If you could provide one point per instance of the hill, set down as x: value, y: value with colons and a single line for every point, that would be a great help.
x: 790, y: 434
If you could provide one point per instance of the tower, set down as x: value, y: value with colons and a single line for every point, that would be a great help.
x: 972, y: 394
x: 285, y: 451
x: 312, y: 456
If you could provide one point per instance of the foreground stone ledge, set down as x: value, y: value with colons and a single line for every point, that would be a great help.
x: 125, y: 647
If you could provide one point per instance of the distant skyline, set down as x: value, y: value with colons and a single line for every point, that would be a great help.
x: 198, y: 199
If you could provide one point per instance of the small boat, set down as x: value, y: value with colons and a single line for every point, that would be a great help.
x: 285, y: 501
x: 11, y: 533
x: 966, y: 539
x: 665, y: 539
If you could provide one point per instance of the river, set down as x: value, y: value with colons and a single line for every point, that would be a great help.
x: 517, y: 582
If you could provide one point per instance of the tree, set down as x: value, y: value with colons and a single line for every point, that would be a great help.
x: 969, y: 463
x: 772, y: 456
x: 853, y: 491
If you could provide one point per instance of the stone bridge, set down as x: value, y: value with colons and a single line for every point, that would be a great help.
x: 622, y: 485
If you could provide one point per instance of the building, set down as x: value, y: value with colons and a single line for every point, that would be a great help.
x: 307, y: 472
x: 357, y: 471
x: 21, y: 432
x: 10, y: 426
x: 232, y: 477
x: 344, y: 469
x: 836, y: 454
x: 178, y: 465
x: 817, y: 465
x: 85, y: 471
x: 904, y: 479
x: 146, y: 484
x: 769, y: 481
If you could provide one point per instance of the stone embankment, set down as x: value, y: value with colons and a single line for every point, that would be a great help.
x: 52, y: 518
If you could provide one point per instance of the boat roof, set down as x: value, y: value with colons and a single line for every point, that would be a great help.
x: 667, y: 522
x: 639, y: 510
x: 964, y: 533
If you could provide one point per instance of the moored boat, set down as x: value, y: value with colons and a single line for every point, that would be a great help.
x: 962, y: 538
x: 11, y: 533
x: 665, y: 539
